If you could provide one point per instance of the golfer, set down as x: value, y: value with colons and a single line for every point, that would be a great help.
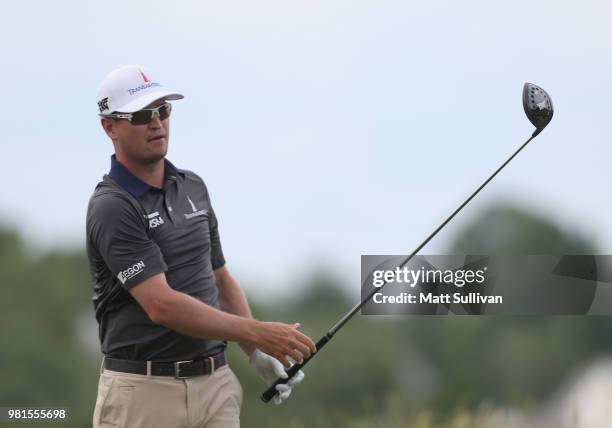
x: 164, y: 298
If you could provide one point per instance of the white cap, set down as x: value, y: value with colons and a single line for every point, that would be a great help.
x: 131, y: 88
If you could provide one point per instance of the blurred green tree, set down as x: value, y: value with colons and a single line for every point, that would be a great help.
x: 507, y: 229
x: 40, y: 358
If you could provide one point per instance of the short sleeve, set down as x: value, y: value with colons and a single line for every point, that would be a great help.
x: 116, y: 231
x: 216, y: 252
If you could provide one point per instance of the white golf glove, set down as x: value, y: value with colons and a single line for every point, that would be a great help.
x: 270, y: 369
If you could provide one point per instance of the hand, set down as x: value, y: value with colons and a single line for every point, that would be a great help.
x: 281, y: 340
x: 270, y: 369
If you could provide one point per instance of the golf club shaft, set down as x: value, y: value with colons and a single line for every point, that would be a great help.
x: 269, y: 393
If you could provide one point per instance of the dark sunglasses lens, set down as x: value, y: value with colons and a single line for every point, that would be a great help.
x: 142, y: 117
x: 164, y: 111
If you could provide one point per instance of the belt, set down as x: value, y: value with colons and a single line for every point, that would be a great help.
x: 177, y: 369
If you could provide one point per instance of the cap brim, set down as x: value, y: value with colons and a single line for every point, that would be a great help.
x: 145, y: 100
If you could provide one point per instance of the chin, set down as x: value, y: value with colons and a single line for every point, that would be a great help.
x: 156, y: 156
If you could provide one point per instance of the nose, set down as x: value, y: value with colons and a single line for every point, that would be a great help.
x: 155, y: 121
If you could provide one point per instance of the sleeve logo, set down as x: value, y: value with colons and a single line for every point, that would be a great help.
x: 131, y: 272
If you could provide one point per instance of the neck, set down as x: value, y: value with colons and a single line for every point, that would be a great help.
x: 150, y: 173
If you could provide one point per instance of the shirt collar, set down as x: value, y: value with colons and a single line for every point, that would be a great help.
x: 122, y: 176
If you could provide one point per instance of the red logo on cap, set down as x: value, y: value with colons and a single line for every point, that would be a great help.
x: 144, y: 76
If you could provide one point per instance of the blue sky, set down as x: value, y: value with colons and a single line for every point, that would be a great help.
x: 324, y: 129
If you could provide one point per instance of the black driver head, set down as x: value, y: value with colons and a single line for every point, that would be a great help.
x: 538, y: 106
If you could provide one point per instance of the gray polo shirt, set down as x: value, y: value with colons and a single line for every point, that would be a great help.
x: 135, y: 231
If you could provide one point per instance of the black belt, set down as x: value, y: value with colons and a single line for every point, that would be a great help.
x: 177, y: 369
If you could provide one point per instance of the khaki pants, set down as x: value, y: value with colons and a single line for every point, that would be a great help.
x: 128, y: 400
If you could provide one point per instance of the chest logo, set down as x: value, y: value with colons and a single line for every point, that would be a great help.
x: 195, y: 212
x: 155, y: 220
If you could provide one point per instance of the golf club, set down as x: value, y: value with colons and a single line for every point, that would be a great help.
x: 539, y: 110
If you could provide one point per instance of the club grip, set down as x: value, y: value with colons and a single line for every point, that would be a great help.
x: 269, y: 393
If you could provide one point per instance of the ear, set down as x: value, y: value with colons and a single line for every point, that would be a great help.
x: 109, y: 127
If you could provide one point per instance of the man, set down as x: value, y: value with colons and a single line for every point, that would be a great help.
x: 164, y: 299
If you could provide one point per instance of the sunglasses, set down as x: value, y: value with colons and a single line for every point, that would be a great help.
x: 144, y: 116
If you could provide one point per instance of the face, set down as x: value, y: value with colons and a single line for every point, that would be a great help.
x: 144, y: 144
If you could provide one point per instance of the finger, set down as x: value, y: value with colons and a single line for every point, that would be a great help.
x: 295, y: 356
x: 285, y: 394
x: 297, y: 378
x: 306, y: 341
x: 283, y: 360
x: 302, y: 348
x: 281, y: 388
x: 284, y: 391
x: 278, y: 369
x: 281, y: 393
